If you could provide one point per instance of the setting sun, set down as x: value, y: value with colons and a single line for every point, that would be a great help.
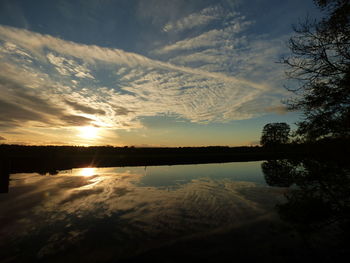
x: 87, y: 171
x: 88, y: 132
x: 157, y: 126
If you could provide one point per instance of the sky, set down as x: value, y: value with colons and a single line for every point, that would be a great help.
x: 144, y: 72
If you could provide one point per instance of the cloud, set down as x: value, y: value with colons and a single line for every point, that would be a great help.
x: 19, y: 104
x: 14, y: 114
x: 24, y: 106
x: 28, y: 108
x: 36, y: 43
x: 69, y: 67
x: 211, y: 38
x: 12, y: 49
x: 194, y: 97
x: 62, y: 84
x: 76, y: 120
x: 121, y: 111
x: 230, y: 49
x: 281, y: 109
x: 201, y: 18
x: 84, y: 108
x: 2, y: 138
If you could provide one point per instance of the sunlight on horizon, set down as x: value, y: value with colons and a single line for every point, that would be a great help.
x: 190, y: 82
x: 89, y: 171
x: 88, y: 132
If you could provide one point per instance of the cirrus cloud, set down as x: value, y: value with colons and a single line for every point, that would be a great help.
x: 47, y: 81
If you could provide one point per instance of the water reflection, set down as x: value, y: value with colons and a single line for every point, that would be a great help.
x: 278, y: 172
x: 318, y: 204
x: 112, y: 211
x: 108, y: 214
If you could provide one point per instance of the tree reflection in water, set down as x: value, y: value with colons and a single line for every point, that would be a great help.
x: 318, y: 201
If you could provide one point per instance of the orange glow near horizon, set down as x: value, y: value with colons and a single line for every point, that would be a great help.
x: 87, y: 171
x: 88, y: 132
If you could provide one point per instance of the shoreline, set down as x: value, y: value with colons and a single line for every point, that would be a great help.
x: 47, y: 159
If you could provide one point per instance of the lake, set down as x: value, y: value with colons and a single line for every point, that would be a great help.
x: 204, y: 212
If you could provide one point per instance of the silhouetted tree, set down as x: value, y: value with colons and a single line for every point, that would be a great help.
x: 275, y: 133
x: 320, y: 61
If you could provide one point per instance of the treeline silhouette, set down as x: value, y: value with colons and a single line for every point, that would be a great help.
x: 43, y: 159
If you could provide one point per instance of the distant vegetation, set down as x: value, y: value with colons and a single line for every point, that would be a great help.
x: 50, y: 158
x: 275, y: 134
x: 19, y: 158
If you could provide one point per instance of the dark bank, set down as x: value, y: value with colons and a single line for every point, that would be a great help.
x: 19, y: 158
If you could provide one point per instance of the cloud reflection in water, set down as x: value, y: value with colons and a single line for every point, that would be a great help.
x: 111, y: 206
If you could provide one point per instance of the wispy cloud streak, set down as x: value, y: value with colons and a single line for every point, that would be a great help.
x: 143, y: 86
x: 49, y: 82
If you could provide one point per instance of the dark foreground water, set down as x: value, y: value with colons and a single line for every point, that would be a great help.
x: 275, y: 211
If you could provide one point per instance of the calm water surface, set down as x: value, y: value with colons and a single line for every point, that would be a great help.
x: 162, y: 213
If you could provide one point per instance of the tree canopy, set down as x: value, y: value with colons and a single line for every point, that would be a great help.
x: 320, y: 61
x: 275, y: 133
